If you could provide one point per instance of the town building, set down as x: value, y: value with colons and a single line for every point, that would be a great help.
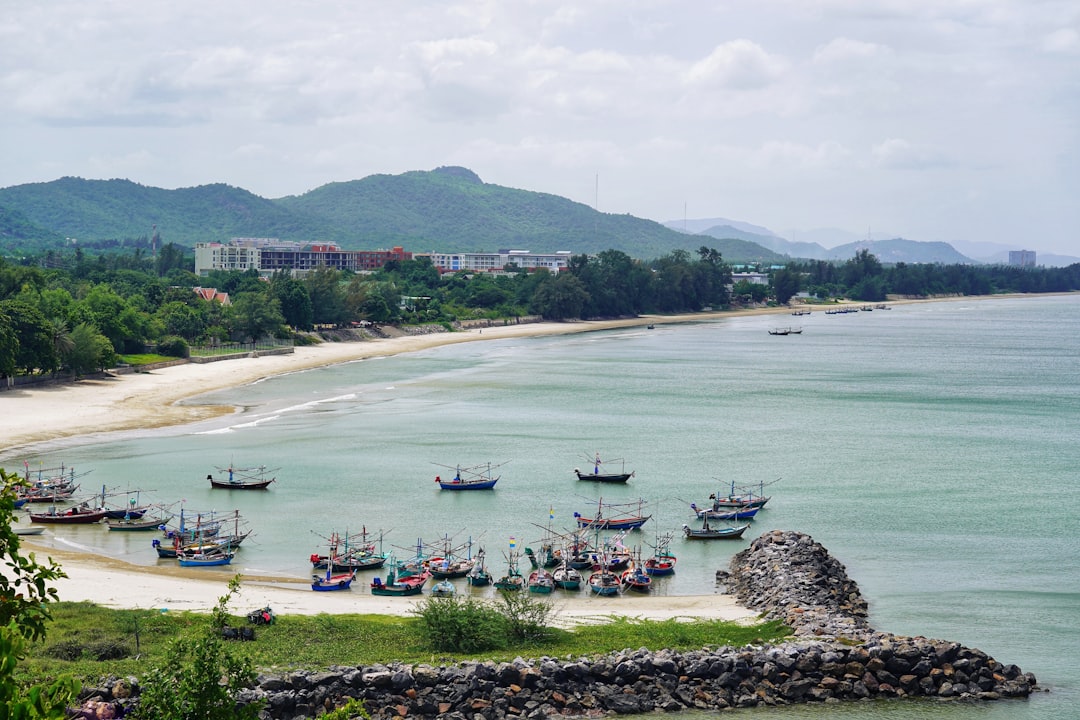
x: 269, y: 255
x: 496, y: 261
x: 1022, y: 258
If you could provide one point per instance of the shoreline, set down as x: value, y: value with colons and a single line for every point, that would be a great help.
x: 39, y: 417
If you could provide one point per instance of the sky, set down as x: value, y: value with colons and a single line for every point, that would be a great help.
x: 932, y: 120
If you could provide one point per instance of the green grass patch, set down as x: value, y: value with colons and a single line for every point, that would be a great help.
x: 145, y: 359
x: 91, y: 642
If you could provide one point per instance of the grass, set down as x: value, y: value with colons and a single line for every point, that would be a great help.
x: 145, y: 359
x: 92, y: 642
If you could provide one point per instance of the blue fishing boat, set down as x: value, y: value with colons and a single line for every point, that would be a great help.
x: 477, y: 477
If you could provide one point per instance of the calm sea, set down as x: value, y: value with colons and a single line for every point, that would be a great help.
x: 931, y: 448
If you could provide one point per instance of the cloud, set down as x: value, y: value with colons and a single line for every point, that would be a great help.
x: 898, y: 153
x: 1063, y: 40
x: 737, y: 65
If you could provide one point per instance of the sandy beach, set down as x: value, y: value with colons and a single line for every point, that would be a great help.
x: 147, y: 400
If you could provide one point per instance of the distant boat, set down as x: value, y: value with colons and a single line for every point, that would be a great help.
x: 78, y: 515
x: 331, y: 581
x: 479, y: 575
x: 399, y: 585
x: 541, y: 582
x: 707, y: 532
x: 210, y: 558
x: 662, y: 562
x: 604, y: 583
x: 443, y: 588
x: 244, y: 478
x: 785, y: 331
x: 636, y: 579
x: 477, y: 477
x: 597, y: 476
x: 566, y: 577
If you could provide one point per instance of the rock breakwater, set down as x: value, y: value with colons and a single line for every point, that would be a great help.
x: 787, y: 576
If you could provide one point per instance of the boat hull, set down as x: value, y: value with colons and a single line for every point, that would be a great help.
x: 632, y: 523
x: 733, y: 533
x: 332, y: 583
x: 604, y: 477
x: 74, y: 518
x: 226, y: 485
x: 478, y: 485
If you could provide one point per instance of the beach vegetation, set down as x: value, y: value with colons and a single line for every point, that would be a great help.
x: 199, y: 678
x: 25, y: 598
x: 319, y: 641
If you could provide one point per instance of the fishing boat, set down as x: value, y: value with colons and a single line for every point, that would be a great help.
x: 27, y: 529
x: 48, y: 485
x: 479, y: 575
x: 567, y: 577
x: 243, y: 478
x: 742, y: 497
x: 719, y: 512
x: 541, y: 582
x: 597, y: 476
x: 443, y: 588
x: 131, y: 509
x: 210, y: 558
x: 357, y: 554
x: 397, y: 585
x: 662, y: 562
x: 622, y: 521
x: 331, y: 581
x: 477, y: 477
x: 604, y: 583
x: 707, y: 532
x: 152, y: 522
x: 636, y: 579
x: 513, y: 579
x: 79, y: 515
x: 785, y: 331
x: 450, y: 564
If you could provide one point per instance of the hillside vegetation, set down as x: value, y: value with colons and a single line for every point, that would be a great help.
x: 443, y: 210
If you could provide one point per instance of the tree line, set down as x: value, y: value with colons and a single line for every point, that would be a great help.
x: 77, y: 312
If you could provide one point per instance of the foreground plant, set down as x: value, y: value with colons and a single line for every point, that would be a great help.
x: 199, y: 679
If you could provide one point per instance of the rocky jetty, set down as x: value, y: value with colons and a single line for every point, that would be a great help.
x: 787, y: 576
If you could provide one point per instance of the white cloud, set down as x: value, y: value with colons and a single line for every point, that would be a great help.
x: 737, y: 65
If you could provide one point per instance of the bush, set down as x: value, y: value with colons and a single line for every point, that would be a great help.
x: 174, y: 346
x: 526, y: 616
x: 461, y: 625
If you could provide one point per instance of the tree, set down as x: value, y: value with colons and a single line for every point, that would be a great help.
x: 25, y: 595
x: 90, y: 350
x: 560, y: 297
x: 199, y: 679
x: 785, y: 284
x: 34, y: 350
x: 256, y: 315
x: 295, y: 302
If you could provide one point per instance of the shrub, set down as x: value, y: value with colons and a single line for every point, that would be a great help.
x: 174, y: 346
x: 526, y: 616
x: 461, y: 625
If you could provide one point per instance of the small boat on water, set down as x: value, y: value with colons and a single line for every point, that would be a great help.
x: 719, y: 512
x: 619, y: 521
x: 785, y: 331
x: 512, y: 580
x: 477, y: 477
x: 210, y: 558
x: 479, y: 575
x: 609, y: 477
x: 244, y: 478
x: 743, y: 498
x: 566, y: 577
x: 662, y: 562
x: 23, y: 530
x: 331, y: 581
x: 136, y: 524
x: 636, y: 579
x: 541, y: 582
x: 79, y: 515
x: 708, y: 532
x: 604, y: 583
x: 357, y: 553
x: 399, y: 585
x: 443, y: 588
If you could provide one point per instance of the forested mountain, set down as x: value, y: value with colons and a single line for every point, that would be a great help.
x: 447, y: 209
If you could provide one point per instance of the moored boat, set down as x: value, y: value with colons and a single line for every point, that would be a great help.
x: 606, y: 477
x: 541, y: 582
x: 604, y: 583
x: 636, y: 579
x: 566, y: 577
x: 244, y: 478
x: 707, y: 532
x: 331, y: 581
x: 477, y: 477
x: 623, y: 521
x: 399, y: 585
x: 78, y: 515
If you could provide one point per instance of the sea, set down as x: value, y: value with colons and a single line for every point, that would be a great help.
x: 930, y: 447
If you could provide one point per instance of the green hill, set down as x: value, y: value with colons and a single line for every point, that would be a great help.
x: 447, y: 209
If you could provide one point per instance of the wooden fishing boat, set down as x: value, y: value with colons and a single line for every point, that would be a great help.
x: 597, y: 476
x: 479, y: 575
x: 662, y: 562
x: 512, y: 580
x: 604, y: 583
x: 477, y: 477
x: 741, y: 497
x: 443, y: 588
x: 78, y: 515
x: 719, y: 512
x: 785, y: 331
x: 566, y: 577
x: 617, y: 522
x: 204, y: 559
x: 136, y: 524
x: 244, y: 478
x: 330, y: 581
x: 357, y: 554
x: 636, y: 579
x: 707, y: 532
x: 541, y: 582
x: 399, y: 585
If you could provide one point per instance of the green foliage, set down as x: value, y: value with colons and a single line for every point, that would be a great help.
x: 24, y: 611
x: 351, y: 710
x: 527, y: 617
x: 173, y: 346
x: 199, y: 678
x: 90, y: 350
x: 461, y: 625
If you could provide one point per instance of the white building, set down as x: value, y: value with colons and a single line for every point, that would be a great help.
x: 496, y: 261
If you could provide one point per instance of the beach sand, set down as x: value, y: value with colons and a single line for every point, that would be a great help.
x: 39, y: 416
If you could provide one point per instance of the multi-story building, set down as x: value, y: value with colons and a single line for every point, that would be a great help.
x: 1023, y: 258
x: 497, y: 261
x: 268, y: 255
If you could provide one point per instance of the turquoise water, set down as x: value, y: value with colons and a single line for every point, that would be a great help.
x: 930, y: 447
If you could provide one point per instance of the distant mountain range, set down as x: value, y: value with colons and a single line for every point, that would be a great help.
x: 449, y: 209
